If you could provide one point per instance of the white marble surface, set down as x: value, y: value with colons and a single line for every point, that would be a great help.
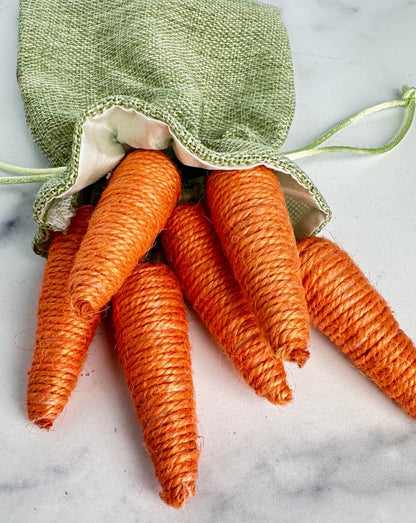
x: 341, y: 451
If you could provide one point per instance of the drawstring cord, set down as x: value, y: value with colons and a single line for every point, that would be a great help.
x: 30, y: 175
x: 407, y: 100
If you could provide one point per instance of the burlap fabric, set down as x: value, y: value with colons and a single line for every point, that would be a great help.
x: 213, y: 78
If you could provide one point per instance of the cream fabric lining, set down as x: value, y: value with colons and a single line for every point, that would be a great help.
x: 107, y: 137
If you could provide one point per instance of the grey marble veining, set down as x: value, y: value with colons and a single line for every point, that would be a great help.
x: 341, y: 451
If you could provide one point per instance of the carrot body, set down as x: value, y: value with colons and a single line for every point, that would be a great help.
x: 194, y: 251
x: 152, y: 338
x: 346, y: 308
x: 249, y: 213
x: 132, y: 210
x: 62, y: 337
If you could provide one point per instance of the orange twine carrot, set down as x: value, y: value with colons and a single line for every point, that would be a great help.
x: 62, y: 337
x: 346, y: 308
x: 132, y: 210
x: 152, y: 338
x: 194, y: 251
x: 249, y: 213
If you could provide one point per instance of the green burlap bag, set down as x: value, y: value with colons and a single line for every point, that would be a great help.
x: 212, y: 79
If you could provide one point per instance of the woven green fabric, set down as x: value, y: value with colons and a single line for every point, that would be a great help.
x: 217, y: 72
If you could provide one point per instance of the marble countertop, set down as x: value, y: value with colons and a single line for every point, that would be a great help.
x: 341, y: 451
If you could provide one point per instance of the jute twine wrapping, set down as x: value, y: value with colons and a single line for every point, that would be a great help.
x: 249, y: 213
x: 343, y: 305
x: 194, y: 251
x: 152, y: 338
x: 132, y: 210
x: 62, y: 337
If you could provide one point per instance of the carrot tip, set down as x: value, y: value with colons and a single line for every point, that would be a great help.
x: 84, y: 308
x: 180, y: 495
x: 42, y: 422
x: 280, y: 397
x: 299, y: 356
x: 41, y: 413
